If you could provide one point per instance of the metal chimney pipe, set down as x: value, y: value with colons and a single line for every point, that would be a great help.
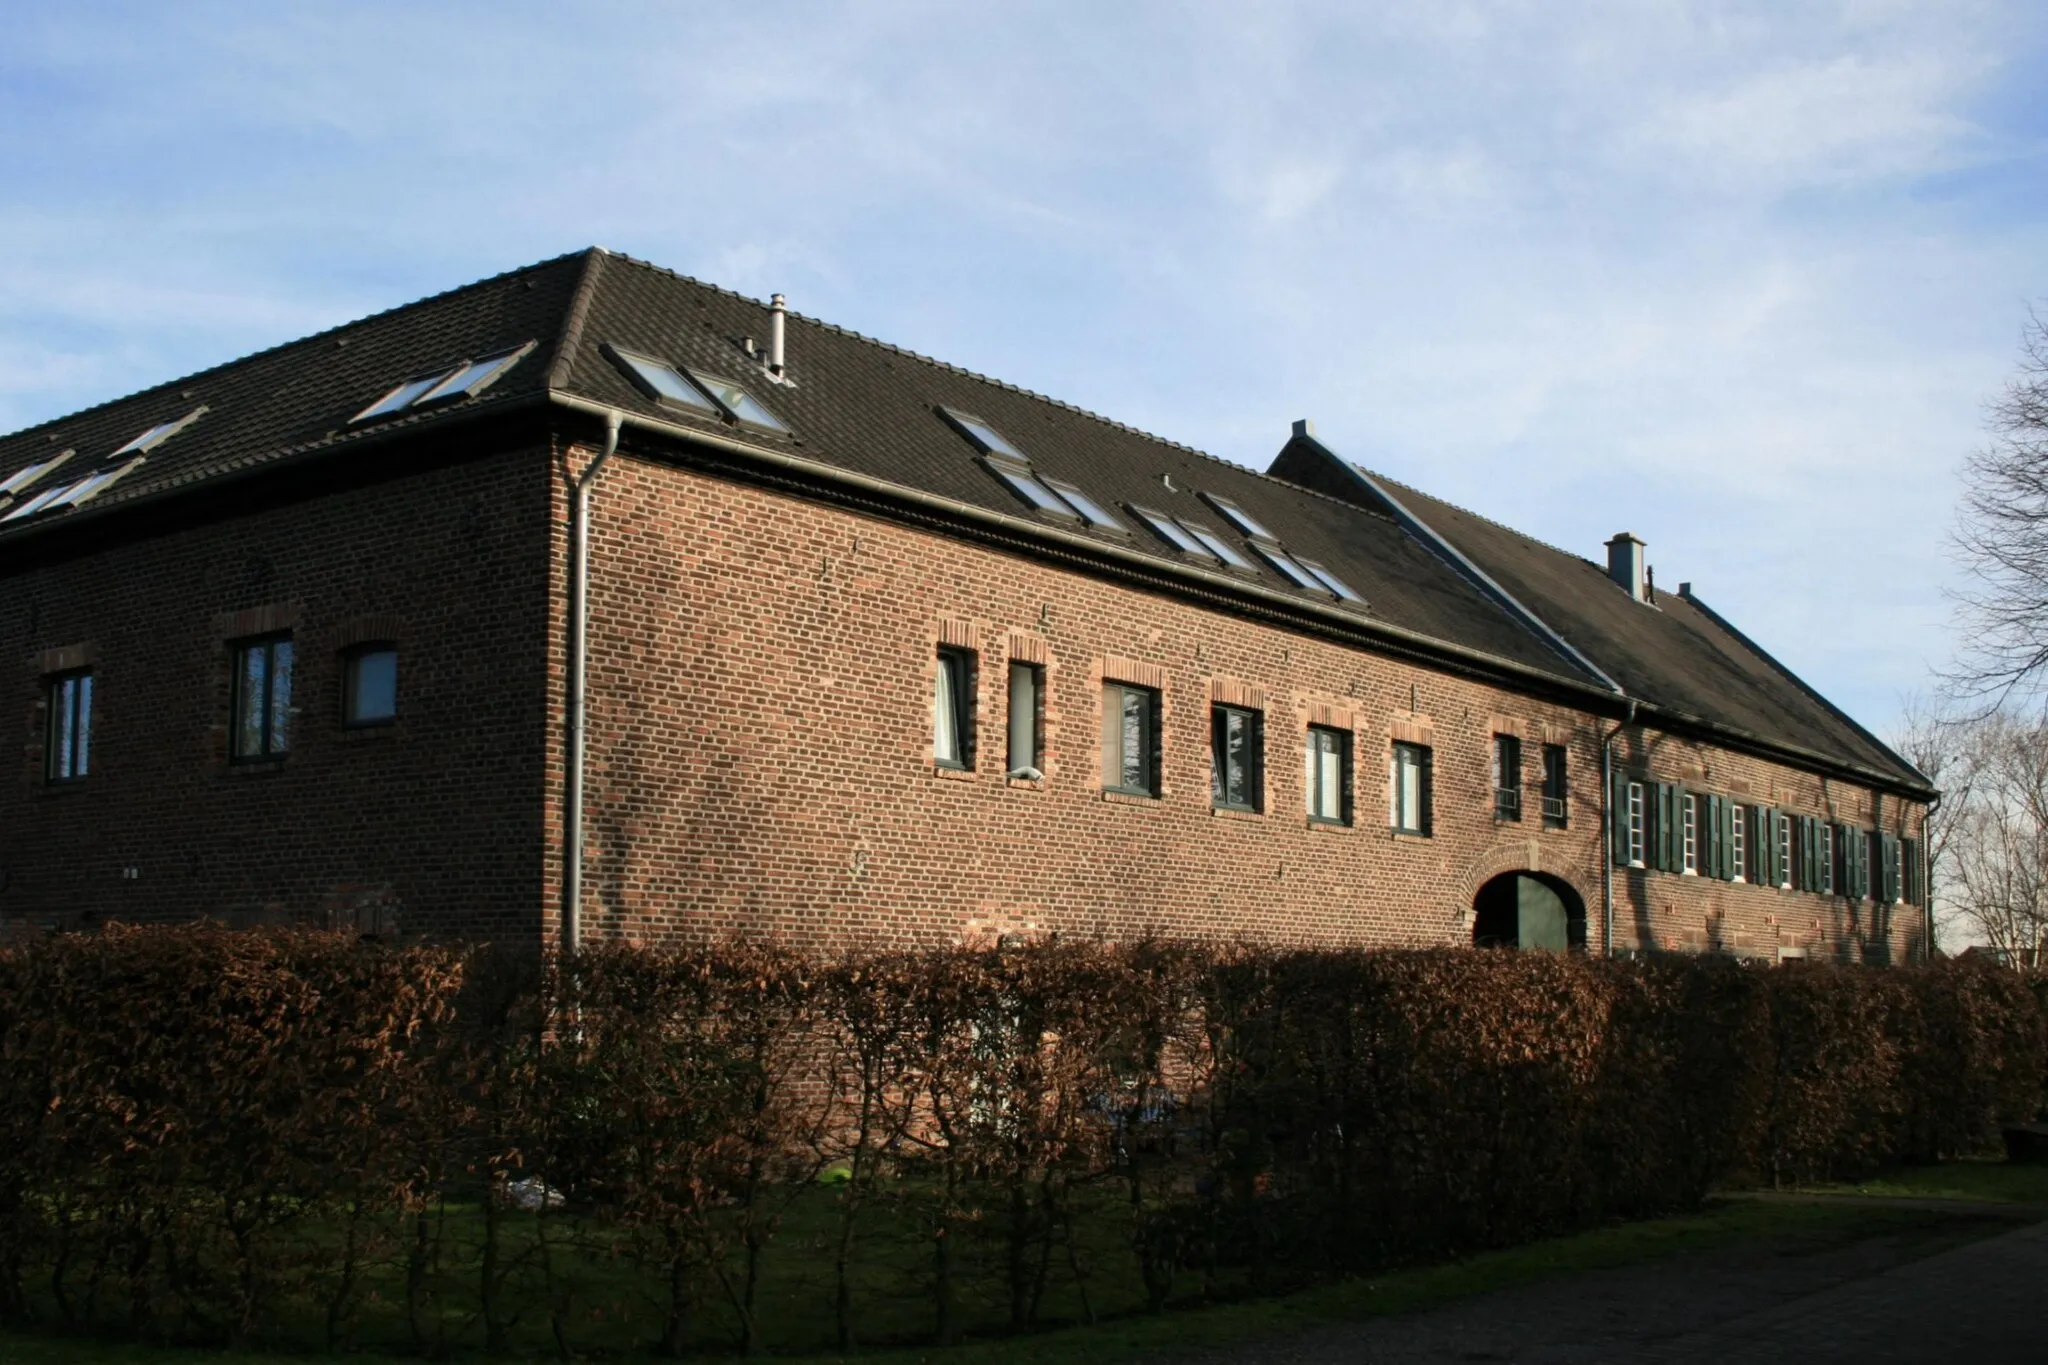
x: 778, y: 311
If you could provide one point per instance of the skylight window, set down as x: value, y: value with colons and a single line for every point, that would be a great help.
x: 986, y: 438
x: 1331, y: 581
x: 72, y: 494
x: 1219, y: 547
x: 1092, y: 512
x: 22, y: 478
x: 1243, y: 520
x: 1026, y: 485
x: 661, y: 381
x: 1280, y: 560
x: 1171, y: 532
x: 740, y: 405
x: 472, y: 377
x: 461, y: 380
x: 158, y: 434
x: 400, y: 398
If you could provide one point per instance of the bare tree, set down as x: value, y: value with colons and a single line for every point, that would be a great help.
x: 1944, y: 743
x: 2002, y: 538
x: 1994, y: 832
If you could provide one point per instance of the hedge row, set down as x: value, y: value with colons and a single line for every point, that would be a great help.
x: 207, y: 1135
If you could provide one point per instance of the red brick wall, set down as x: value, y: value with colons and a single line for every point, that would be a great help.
x: 761, y: 754
x: 436, y: 818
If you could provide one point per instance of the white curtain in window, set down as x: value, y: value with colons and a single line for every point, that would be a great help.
x: 946, y: 716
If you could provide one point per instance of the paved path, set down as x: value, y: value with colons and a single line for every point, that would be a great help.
x: 1984, y: 1303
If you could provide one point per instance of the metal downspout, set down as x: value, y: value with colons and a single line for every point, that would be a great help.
x: 1607, y: 828
x: 572, y: 778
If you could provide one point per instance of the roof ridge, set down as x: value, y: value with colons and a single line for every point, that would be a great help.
x: 961, y: 370
x: 211, y: 370
x: 571, y: 335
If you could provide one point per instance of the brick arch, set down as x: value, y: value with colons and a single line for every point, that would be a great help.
x: 1513, y: 853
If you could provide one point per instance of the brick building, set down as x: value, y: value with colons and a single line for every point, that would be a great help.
x: 875, y: 648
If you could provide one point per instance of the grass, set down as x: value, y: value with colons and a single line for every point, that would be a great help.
x: 1781, y: 1228
x: 1983, y: 1181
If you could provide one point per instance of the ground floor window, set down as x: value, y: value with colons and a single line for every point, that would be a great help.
x: 68, y: 749
x: 263, y: 698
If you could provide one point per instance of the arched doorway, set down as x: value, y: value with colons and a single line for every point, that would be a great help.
x: 1529, y: 910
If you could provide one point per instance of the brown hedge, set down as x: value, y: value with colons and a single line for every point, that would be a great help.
x: 210, y: 1135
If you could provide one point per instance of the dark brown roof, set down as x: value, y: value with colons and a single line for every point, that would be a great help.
x: 870, y: 409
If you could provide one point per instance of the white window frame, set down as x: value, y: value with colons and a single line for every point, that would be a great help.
x: 1738, y: 843
x: 1691, y: 821
x: 1781, y: 834
x: 1637, y: 832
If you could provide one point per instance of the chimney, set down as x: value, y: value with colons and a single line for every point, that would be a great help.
x: 778, y: 310
x: 1625, y: 564
x: 1304, y: 427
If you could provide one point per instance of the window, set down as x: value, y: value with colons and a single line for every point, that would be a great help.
x: 1782, y: 829
x: 67, y: 755
x: 369, y: 686
x: 1025, y: 485
x: 1301, y: 577
x: 1027, y: 720
x: 1691, y: 817
x: 953, y: 709
x: 1411, y: 789
x: 1170, y: 531
x: 73, y: 494
x: 739, y: 405
x: 985, y: 438
x: 1130, y: 739
x: 1236, y: 746
x: 659, y: 381
x: 1092, y: 512
x: 1637, y: 844
x: 1556, y: 787
x: 28, y: 474
x: 459, y: 380
x: 1826, y: 839
x: 1507, y: 777
x: 1239, y: 518
x: 262, y: 698
x: 1331, y: 581
x: 1738, y: 843
x: 1328, y: 780
x: 158, y: 434
x: 1218, y: 546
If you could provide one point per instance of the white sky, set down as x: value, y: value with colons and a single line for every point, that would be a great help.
x: 1738, y: 278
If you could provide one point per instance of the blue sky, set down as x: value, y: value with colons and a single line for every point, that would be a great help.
x: 1738, y: 278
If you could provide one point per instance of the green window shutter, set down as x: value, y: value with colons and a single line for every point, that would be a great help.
x: 1617, y: 822
x: 1428, y: 791
x: 1660, y: 836
x: 1909, y: 855
x: 1716, y: 845
x: 1809, y: 854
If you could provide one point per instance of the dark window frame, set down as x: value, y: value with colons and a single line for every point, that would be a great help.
x: 351, y: 660
x: 67, y: 745
x: 1035, y: 760
x: 960, y: 662
x: 270, y: 746
x: 1252, y: 778
x: 1557, y: 787
x: 1346, y: 814
x: 1507, y: 778
x: 1114, y: 718
x: 1423, y: 758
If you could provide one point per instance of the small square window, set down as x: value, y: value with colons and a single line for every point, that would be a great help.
x: 953, y: 709
x: 369, y: 689
x: 984, y: 437
x: 1328, y: 779
x: 1130, y: 739
x: 1171, y: 531
x: 1236, y: 758
x: 1219, y: 547
x: 261, y: 724
x: 1092, y: 512
x: 1243, y: 520
x: 1300, y: 577
x: 67, y: 753
x: 1026, y: 485
x: 1027, y: 720
x: 1411, y: 795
